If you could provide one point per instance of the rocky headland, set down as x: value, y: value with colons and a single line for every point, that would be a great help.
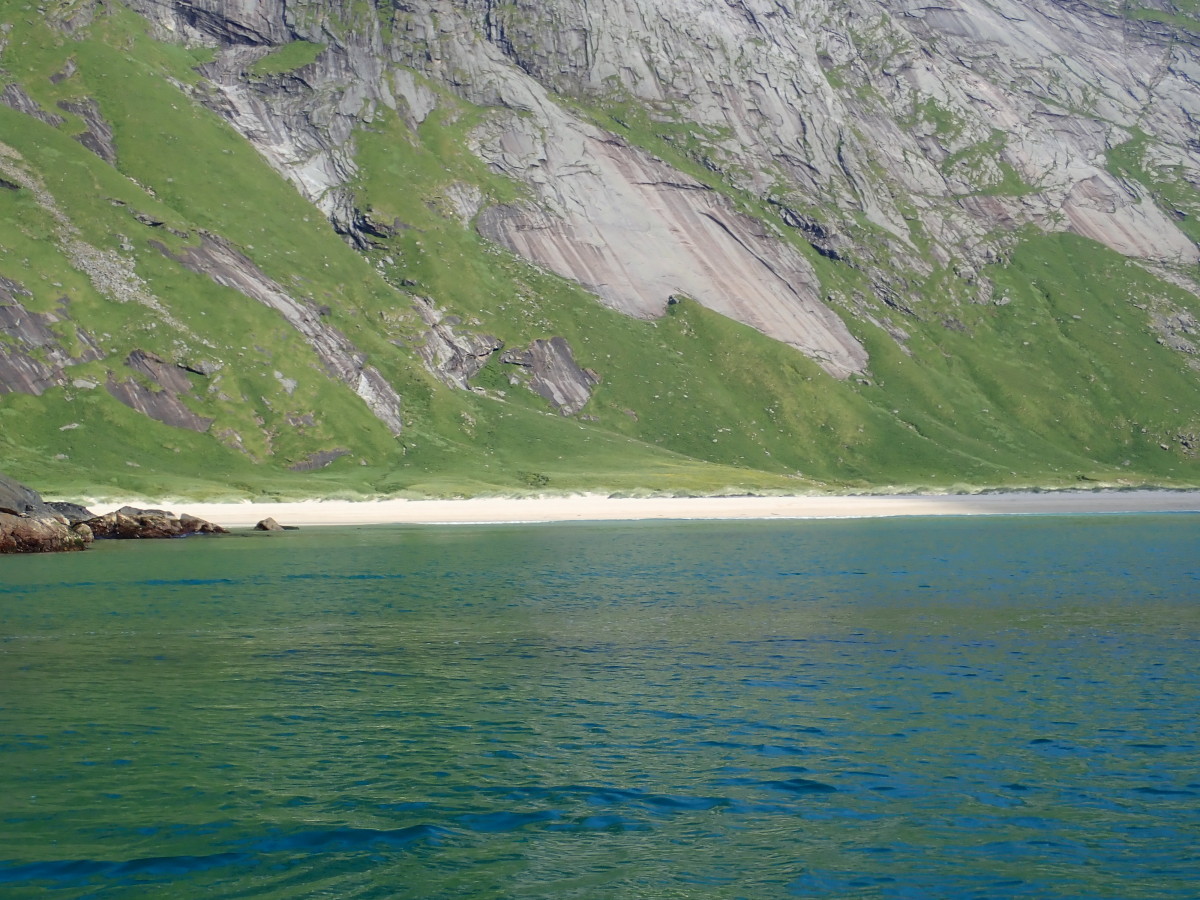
x: 29, y: 524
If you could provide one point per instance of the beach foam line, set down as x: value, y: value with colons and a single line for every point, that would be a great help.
x: 599, y: 508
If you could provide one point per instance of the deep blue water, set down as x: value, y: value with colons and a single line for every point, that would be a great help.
x: 910, y: 708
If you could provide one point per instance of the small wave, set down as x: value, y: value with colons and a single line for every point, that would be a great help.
x: 1164, y: 792
x: 350, y: 838
x: 498, y: 822
x: 77, y: 870
x: 190, y: 582
x: 800, y: 786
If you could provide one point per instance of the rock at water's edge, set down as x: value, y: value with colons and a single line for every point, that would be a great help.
x: 29, y: 525
x: 29, y: 534
x: 131, y: 523
x: 268, y: 524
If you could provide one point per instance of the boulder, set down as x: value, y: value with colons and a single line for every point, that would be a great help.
x: 35, y: 534
x: 268, y: 524
x: 196, y: 525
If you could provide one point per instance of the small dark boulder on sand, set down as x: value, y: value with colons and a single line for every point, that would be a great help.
x: 131, y: 523
x: 268, y: 524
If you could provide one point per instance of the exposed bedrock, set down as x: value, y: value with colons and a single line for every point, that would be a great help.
x: 27, y: 534
x: 896, y: 136
x: 452, y: 354
x: 30, y: 525
x: 132, y: 523
x: 35, y: 358
x: 227, y: 266
x: 163, y: 402
x: 637, y: 232
x: 554, y: 374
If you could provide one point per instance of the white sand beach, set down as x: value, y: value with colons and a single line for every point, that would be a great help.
x: 600, y: 508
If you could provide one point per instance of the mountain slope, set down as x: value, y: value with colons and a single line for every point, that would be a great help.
x: 435, y: 247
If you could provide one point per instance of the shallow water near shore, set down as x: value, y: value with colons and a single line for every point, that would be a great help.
x: 984, y: 707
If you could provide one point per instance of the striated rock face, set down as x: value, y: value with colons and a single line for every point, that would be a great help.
x: 35, y: 359
x: 163, y: 405
x: 635, y: 232
x: 302, y: 122
x: 15, y: 97
x: 555, y: 375
x: 884, y: 109
x: 454, y: 356
x: 97, y: 135
x: 894, y: 137
x: 226, y: 266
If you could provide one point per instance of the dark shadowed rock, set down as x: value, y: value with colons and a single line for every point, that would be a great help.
x: 72, y: 512
x: 34, y: 358
x: 268, y: 524
x: 20, y: 499
x: 452, y: 354
x: 163, y: 406
x: 227, y: 266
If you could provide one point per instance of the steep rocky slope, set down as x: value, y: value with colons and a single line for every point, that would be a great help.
x: 959, y: 235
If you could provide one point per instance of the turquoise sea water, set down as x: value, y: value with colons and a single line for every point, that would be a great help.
x: 946, y: 708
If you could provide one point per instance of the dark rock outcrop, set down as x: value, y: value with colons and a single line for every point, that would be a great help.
x: 220, y: 261
x: 30, y: 525
x: 268, y: 524
x: 72, y: 512
x: 319, y: 460
x: 451, y: 354
x: 131, y: 523
x: 30, y: 534
x: 98, y: 136
x: 35, y: 360
x: 17, y: 499
x: 15, y: 97
x: 555, y: 374
x: 162, y: 405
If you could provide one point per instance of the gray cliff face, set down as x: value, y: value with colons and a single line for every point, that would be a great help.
x: 896, y: 136
x: 1046, y: 87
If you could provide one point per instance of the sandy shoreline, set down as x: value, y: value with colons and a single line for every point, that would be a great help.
x: 598, y: 508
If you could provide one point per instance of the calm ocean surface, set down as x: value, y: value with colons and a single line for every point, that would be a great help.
x: 910, y: 708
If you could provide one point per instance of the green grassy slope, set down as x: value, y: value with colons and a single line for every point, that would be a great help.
x: 1064, y: 384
